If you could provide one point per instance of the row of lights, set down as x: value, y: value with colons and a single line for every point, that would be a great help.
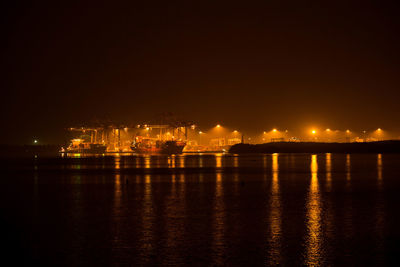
x: 312, y: 131
x: 347, y: 131
x: 273, y: 130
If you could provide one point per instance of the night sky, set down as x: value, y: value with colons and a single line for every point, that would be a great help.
x: 247, y: 65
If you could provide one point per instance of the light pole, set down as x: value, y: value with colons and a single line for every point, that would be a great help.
x: 274, y: 138
x: 314, y: 132
x: 379, y: 132
x: 200, y: 132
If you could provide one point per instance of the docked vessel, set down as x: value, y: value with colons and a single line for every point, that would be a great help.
x: 79, y: 145
x: 153, y: 145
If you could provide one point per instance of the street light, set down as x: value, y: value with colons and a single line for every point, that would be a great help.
x: 313, y: 133
x: 347, y: 135
x: 379, y: 132
x: 200, y: 132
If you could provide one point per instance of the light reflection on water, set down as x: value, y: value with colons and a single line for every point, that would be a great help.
x: 380, y: 215
x: 314, y: 234
x: 219, y: 221
x: 117, y: 211
x: 181, y: 161
x: 328, y: 171
x: 265, y: 161
x: 117, y: 162
x: 147, y: 220
x: 274, y: 255
x: 348, y: 171
x: 175, y: 221
x: 242, y: 209
x: 171, y: 161
x: 379, y: 168
x: 235, y: 161
x: 218, y: 160
x: 348, y: 226
x: 147, y: 161
x: 328, y: 218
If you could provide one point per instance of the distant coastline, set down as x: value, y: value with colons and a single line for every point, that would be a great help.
x: 390, y: 146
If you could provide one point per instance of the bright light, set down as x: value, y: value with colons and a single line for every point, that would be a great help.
x: 147, y: 128
x: 200, y: 132
x: 313, y: 131
x: 347, y: 131
x: 328, y: 130
x: 379, y: 129
x: 265, y: 132
x: 35, y: 141
x: 193, y: 126
x: 274, y: 130
x: 235, y: 131
x: 218, y: 125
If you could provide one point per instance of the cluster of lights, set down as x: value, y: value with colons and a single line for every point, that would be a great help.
x: 313, y: 131
x: 347, y: 131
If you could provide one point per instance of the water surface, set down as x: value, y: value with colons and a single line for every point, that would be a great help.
x: 212, y: 209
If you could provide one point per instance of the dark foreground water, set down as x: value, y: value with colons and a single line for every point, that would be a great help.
x: 288, y: 209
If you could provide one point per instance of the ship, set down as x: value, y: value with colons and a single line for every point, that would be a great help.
x: 79, y: 145
x: 156, y: 146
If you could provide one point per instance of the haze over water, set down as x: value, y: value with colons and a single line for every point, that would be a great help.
x: 211, y: 209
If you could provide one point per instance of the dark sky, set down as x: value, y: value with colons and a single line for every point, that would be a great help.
x: 248, y: 65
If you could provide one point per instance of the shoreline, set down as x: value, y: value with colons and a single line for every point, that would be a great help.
x: 390, y: 146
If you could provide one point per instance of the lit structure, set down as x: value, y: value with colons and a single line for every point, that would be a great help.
x: 118, y: 138
x: 234, y: 138
x: 379, y: 134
